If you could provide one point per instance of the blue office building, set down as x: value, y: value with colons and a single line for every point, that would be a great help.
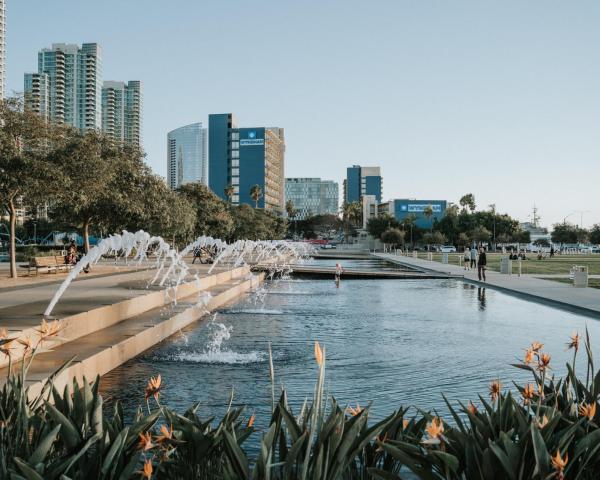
x: 402, y: 208
x: 361, y: 181
x: 245, y: 157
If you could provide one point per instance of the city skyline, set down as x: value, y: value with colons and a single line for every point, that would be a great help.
x: 499, y: 102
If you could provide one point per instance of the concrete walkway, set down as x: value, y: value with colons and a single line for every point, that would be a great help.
x: 585, y: 301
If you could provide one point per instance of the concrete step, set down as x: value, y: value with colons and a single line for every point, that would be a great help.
x: 100, y: 309
x: 107, y: 348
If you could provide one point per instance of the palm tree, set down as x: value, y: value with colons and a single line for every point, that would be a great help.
x: 229, y: 191
x: 352, y: 214
x: 256, y: 194
x: 291, y: 212
x: 428, y: 213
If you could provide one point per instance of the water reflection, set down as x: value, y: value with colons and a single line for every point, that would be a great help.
x: 481, y: 297
x: 390, y: 342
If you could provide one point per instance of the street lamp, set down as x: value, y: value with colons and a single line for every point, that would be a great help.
x: 565, y: 219
x: 581, y: 212
x: 493, y: 207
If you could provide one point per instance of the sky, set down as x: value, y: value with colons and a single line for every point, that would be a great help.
x: 500, y: 99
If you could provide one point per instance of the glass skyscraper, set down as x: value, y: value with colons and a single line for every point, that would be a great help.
x: 67, y: 87
x: 122, y: 110
x: 187, y: 155
x: 244, y: 157
x: 312, y: 196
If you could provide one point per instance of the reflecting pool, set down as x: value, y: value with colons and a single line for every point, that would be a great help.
x: 389, y: 342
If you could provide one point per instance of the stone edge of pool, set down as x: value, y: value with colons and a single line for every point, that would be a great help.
x: 98, y: 357
x: 583, y: 301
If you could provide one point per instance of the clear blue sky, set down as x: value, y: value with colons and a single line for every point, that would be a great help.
x: 501, y: 99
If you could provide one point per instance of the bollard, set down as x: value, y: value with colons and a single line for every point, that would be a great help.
x: 445, y: 258
x: 430, y: 256
x: 520, y: 267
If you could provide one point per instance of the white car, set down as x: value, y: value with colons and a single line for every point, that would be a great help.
x: 448, y: 249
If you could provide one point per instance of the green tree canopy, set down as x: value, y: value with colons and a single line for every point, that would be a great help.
x: 564, y: 233
x: 376, y: 226
x: 393, y: 236
x: 212, y: 215
x: 28, y: 169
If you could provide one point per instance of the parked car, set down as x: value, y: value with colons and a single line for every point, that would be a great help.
x: 328, y: 246
x: 448, y: 249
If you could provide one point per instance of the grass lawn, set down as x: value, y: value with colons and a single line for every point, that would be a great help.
x: 592, y: 282
x: 560, y: 264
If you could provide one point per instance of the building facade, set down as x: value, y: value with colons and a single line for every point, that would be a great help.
x: 362, y: 181
x: 69, y: 78
x: 2, y: 47
x: 187, y: 155
x: 122, y: 110
x: 312, y: 196
x: 402, y: 208
x: 244, y: 157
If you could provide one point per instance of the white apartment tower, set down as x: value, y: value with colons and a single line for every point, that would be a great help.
x: 122, y: 110
x: 67, y: 88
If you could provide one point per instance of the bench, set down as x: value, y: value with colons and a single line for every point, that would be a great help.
x: 49, y: 263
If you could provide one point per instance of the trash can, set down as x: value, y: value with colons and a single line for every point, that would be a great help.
x: 445, y: 258
x: 506, y: 266
x: 429, y: 256
x: 415, y: 254
x: 580, y: 276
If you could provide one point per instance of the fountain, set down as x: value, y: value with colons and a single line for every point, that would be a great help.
x: 281, y: 255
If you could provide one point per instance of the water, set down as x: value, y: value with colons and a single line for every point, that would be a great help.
x: 389, y: 342
x: 358, y: 264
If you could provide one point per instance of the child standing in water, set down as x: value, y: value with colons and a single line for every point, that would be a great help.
x: 338, y: 274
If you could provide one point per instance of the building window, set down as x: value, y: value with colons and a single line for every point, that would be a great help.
x: 235, y: 145
x: 235, y: 180
x: 235, y: 154
x: 235, y: 162
x: 235, y: 172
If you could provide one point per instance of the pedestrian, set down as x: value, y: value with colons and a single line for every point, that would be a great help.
x: 197, y: 255
x: 473, y: 257
x: 338, y: 274
x: 551, y: 251
x: 481, y: 264
x: 467, y: 258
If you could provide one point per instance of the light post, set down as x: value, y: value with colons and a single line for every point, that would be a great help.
x: 493, y: 207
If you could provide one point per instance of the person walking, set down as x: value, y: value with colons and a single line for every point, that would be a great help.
x: 473, y: 257
x: 467, y: 258
x: 481, y: 264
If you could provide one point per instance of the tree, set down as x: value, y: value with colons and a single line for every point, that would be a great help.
x: 541, y: 242
x: 393, y: 237
x: 428, y: 213
x: 229, y: 191
x: 467, y: 201
x: 564, y: 233
x: 376, y: 226
x: 27, y: 167
x: 521, y: 236
x: 104, y: 178
x: 352, y: 215
x: 289, y: 209
x: 463, y: 239
x: 212, y: 217
x: 438, y: 238
x: 595, y: 234
x: 480, y: 234
x: 256, y: 194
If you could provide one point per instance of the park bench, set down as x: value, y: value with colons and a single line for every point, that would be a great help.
x: 52, y: 264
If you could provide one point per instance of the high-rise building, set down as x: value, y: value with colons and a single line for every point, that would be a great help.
x: 2, y: 47
x: 187, y: 155
x: 362, y: 181
x: 245, y: 157
x: 122, y: 110
x: 312, y: 196
x: 69, y: 85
